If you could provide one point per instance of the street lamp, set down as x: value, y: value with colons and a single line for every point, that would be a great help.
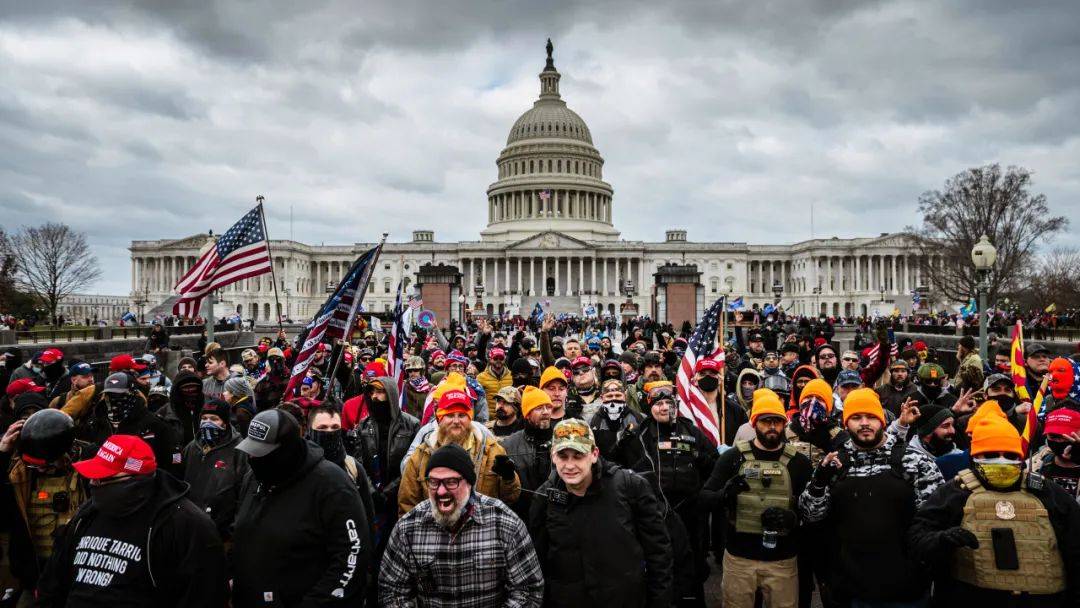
x: 983, y: 255
x: 286, y: 291
x: 461, y: 309
x: 777, y: 292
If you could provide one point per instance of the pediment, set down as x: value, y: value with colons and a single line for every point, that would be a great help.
x: 550, y: 240
x: 195, y: 241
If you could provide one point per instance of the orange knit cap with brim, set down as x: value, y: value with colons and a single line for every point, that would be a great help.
x: 766, y: 403
x: 863, y: 401
x: 820, y: 389
x: 993, y: 434
x: 988, y: 409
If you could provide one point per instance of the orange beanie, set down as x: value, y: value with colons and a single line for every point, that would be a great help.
x: 988, y: 409
x: 766, y: 403
x: 532, y: 398
x: 820, y: 389
x: 862, y: 401
x: 551, y: 374
x: 993, y: 434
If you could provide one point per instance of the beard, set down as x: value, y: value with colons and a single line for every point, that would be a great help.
x: 501, y: 414
x: 446, y: 520
x: 868, y: 444
x: 769, y: 440
x: 938, y: 446
x: 452, y: 435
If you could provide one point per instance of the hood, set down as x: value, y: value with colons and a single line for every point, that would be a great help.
x: 749, y: 371
x: 803, y: 371
x: 392, y: 395
x: 182, y: 379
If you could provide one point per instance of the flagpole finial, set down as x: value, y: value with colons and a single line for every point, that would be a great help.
x: 259, y: 199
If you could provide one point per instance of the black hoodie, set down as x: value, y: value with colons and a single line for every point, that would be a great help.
x: 183, y: 553
x: 178, y: 415
x: 303, y: 541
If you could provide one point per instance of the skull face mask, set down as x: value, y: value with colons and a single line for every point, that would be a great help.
x: 118, y: 407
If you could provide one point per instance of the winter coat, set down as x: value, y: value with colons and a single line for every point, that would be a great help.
x: 215, y: 476
x: 608, y: 548
x: 304, y: 541
x: 492, y: 384
x: 484, y: 448
x: 184, y: 554
x: 402, y: 429
x: 182, y: 419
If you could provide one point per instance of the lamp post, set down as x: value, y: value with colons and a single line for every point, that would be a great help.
x: 286, y: 292
x: 461, y: 309
x: 983, y: 255
x: 777, y: 292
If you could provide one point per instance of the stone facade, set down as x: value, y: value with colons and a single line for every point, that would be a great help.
x: 550, y: 238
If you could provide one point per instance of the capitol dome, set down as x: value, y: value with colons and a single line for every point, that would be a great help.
x: 550, y: 174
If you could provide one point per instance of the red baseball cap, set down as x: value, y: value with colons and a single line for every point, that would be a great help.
x: 50, y: 356
x: 23, y: 385
x: 496, y: 353
x: 708, y: 364
x: 581, y: 361
x: 123, y: 363
x: 375, y: 369
x: 454, y: 400
x: 119, y: 454
x: 1062, y: 422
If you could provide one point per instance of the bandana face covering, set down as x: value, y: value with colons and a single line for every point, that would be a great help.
x: 210, y: 433
x: 1000, y: 473
x: 613, y: 409
x: 812, y: 414
x: 119, y: 407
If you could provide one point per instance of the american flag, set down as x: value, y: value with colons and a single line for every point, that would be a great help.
x: 702, y: 344
x: 396, y: 341
x: 544, y: 196
x: 336, y: 314
x: 241, y: 253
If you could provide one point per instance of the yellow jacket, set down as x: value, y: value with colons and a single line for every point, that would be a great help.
x: 492, y: 385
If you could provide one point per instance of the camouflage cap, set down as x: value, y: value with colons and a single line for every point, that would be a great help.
x: 931, y: 371
x: 573, y: 434
x: 509, y: 394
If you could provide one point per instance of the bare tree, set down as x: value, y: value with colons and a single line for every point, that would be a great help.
x: 7, y: 273
x: 982, y: 200
x: 1052, y: 280
x: 54, y: 262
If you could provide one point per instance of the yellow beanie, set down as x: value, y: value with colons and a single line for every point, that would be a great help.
x: 531, y: 398
x: 862, y: 401
x: 993, y: 434
x: 550, y: 374
x: 766, y: 402
x: 820, y: 389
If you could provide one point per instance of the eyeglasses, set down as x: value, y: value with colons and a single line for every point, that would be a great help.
x: 824, y: 356
x: 584, y: 369
x: 450, y: 483
x: 850, y: 360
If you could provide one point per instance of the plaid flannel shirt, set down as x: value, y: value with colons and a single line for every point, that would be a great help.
x: 488, y: 562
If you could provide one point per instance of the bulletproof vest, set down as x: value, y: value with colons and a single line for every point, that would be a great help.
x: 54, y: 499
x: 1040, y: 570
x: 770, y: 486
x: 811, y: 451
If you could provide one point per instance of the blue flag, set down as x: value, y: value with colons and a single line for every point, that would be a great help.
x: 970, y: 309
x: 736, y: 304
x: 768, y: 310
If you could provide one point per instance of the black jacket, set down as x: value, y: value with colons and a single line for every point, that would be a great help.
x: 303, y: 541
x: 402, y: 429
x: 215, y: 477
x: 532, y: 461
x: 608, y: 548
x: 676, y: 458
x: 177, y: 414
x: 183, y: 552
x: 892, y: 399
x: 160, y: 435
x: 945, y: 509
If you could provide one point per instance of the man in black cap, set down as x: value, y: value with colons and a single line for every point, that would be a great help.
x: 899, y: 388
x: 524, y: 373
x: 1037, y: 361
x: 213, y: 467
x: 301, y: 534
x: 123, y: 411
x: 492, y: 561
x: 935, y: 436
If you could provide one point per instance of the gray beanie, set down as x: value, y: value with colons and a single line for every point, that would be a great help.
x: 238, y: 385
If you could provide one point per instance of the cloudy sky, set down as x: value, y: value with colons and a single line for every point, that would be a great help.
x: 160, y: 119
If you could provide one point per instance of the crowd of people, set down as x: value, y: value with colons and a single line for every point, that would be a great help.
x: 543, y: 462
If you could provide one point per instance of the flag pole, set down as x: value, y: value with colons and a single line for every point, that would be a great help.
x: 352, y: 315
x: 273, y: 277
x: 209, y: 323
x: 723, y: 374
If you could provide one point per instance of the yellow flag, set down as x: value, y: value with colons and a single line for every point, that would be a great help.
x: 1051, y: 308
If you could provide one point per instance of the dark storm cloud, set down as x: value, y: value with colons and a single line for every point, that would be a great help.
x: 142, y: 120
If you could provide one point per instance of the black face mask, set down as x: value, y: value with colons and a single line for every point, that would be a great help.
x: 332, y: 444
x: 281, y: 464
x: 277, y: 366
x: 123, y: 498
x: 1059, y: 447
x: 932, y: 392
x: 1007, y: 402
x: 588, y: 390
x: 120, y: 406
x: 708, y: 383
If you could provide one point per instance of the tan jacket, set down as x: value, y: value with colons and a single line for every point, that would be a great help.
x: 484, y: 449
x: 78, y: 402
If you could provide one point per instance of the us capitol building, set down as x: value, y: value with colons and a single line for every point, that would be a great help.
x: 550, y: 238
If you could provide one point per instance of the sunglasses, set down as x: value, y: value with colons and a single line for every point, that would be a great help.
x: 584, y: 369
x: 450, y: 483
x: 851, y: 360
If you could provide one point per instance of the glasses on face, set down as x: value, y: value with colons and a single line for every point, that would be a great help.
x: 450, y: 483
x: 826, y: 356
x: 850, y: 360
x: 579, y: 371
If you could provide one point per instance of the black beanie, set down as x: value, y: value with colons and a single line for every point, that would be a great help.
x: 455, y: 458
x: 521, y: 367
x: 930, y: 417
x: 218, y: 407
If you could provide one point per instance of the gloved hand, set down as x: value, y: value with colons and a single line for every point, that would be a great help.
x: 781, y: 520
x: 827, y: 471
x: 733, y: 488
x: 960, y: 537
x: 504, y: 467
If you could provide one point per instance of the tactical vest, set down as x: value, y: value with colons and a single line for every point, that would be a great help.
x: 811, y: 451
x: 53, y: 502
x: 770, y: 486
x: 1041, y: 569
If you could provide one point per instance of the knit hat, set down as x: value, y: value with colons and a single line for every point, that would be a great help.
x: 930, y: 418
x: 766, y: 403
x: 455, y: 458
x: 988, y: 409
x: 454, y: 400
x: 532, y: 398
x: 1062, y: 422
x: 658, y: 389
x: 239, y: 386
x: 863, y: 401
x: 219, y: 408
x: 931, y: 371
x: 551, y: 374
x: 993, y: 434
x: 630, y: 358
x: 820, y: 389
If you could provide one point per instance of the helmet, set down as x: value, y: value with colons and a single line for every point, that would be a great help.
x: 46, y: 436
x: 414, y: 362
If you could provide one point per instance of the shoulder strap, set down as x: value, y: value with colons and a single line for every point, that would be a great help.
x: 833, y: 432
x: 350, y: 467
x: 969, y: 481
x: 789, y: 453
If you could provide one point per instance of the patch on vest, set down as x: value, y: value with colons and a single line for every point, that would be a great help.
x: 1005, y: 510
